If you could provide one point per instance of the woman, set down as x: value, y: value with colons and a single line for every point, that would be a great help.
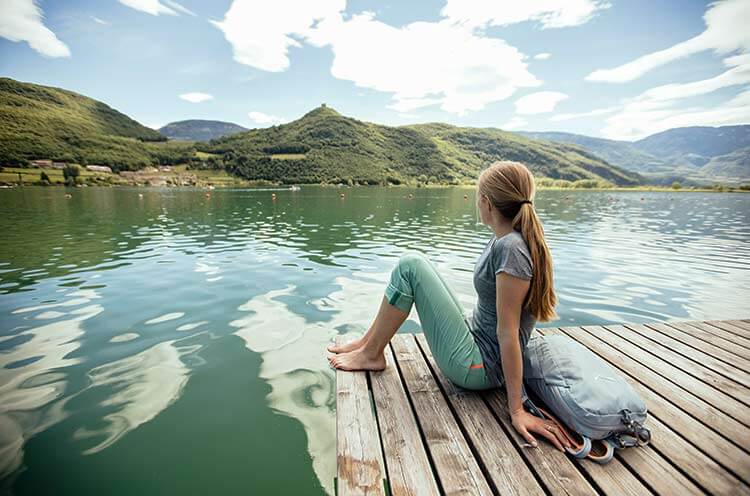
x: 513, y: 280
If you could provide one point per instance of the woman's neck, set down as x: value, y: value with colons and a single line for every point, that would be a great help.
x: 501, y: 228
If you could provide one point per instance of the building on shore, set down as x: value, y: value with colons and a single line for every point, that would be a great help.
x: 41, y: 163
x: 99, y: 168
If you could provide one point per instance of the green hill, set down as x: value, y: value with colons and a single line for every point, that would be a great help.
x: 697, y: 145
x: 324, y: 146
x: 41, y: 122
x: 199, y: 130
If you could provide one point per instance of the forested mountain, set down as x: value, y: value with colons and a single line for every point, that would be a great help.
x: 324, y: 146
x: 42, y: 122
x: 199, y: 130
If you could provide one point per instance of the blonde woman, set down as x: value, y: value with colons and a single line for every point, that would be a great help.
x: 513, y: 281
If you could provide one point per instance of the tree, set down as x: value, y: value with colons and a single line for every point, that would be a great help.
x: 676, y: 185
x: 71, y: 173
x: 44, y: 179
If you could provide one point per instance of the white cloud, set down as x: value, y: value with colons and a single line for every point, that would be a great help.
x: 580, y: 115
x: 100, y: 21
x: 261, y: 35
x: 155, y: 7
x: 196, y: 97
x: 424, y: 63
x: 548, y: 13
x: 264, y: 119
x: 421, y: 64
x: 658, y: 108
x: 539, y: 102
x: 514, y: 123
x: 640, y: 119
x: 542, y: 56
x: 21, y: 20
x: 176, y: 6
x: 726, y: 31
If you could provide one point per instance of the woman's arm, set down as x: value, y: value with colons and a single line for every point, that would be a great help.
x: 511, y: 292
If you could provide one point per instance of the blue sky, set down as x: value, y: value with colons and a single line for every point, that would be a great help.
x: 617, y: 69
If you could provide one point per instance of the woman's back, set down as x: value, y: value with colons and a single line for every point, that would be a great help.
x: 509, y: 254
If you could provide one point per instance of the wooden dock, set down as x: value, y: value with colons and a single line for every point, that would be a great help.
x: 409, y: 430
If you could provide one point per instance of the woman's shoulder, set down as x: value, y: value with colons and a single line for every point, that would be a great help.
x: 512, y: 241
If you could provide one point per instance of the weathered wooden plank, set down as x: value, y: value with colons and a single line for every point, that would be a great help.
x: 504, y: 466
x: 742, y: 324
x: 360, y: 469
x: 697, y: 465
x: 704, y: 332
x: 654, y: 333
x: 455, y: 465
x: 730, y: 332
x: 710, y: 395
x: 688, y: 366
x: 676, y: 330
x: 723, y: 450
x: 406, y: 461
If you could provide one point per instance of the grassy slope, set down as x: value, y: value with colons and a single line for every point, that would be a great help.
x: 41, y: 122
x: 339, y: 149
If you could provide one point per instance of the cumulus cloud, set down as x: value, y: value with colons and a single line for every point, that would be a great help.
x: 261, y: 34
x: 726, y: 31
x: 539, y: 102
x: 515, y: 123
x: 264, y: 119
x: 548, y: 13
x: 420, y: 64
x: 155, y: 7
x: 196, y: 97
x: 21, y: 20
x: 542, y: 56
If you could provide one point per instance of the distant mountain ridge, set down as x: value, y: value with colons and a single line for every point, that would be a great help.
x: 199, y: 130
x: 701, y: 153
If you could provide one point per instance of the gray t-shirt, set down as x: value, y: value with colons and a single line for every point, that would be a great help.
x: 509, y: 254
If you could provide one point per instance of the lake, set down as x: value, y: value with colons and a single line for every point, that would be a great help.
x: 162, y: 341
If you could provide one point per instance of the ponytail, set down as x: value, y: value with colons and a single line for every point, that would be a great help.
x: 541, y: 299
x: 510, y: 187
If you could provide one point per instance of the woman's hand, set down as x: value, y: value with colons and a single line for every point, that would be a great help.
x: 526, y: 423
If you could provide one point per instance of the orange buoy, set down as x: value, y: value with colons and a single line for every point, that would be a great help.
x: 68, y: 195
x: 342, y: 195
x: 208, y: 195
x: 466, y: 197
x: 273, y: 196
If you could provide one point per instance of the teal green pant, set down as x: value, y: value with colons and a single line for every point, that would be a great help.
x: 415, y: 280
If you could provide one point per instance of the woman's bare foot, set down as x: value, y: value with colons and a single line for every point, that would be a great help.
x: 357, y: 360
x: 351, y: 346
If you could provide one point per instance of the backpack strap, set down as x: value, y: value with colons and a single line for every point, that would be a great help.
x: 635, y: 435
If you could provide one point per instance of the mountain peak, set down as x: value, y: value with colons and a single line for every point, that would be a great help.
x: 322, y: 111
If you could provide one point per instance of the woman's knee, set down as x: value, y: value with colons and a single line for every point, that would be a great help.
x: 412, y: 261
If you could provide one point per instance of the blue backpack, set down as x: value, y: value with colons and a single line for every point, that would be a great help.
x: 583, y: 391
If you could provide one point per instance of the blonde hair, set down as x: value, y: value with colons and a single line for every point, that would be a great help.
x: 510, y: 188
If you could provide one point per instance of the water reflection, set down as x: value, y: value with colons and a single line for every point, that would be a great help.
x: 141, y: 387
x: 31, y: 379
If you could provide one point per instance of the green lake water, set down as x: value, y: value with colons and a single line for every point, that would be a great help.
x: 163, y: 342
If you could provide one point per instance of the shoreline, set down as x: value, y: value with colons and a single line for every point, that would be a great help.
x: 245, y: 184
